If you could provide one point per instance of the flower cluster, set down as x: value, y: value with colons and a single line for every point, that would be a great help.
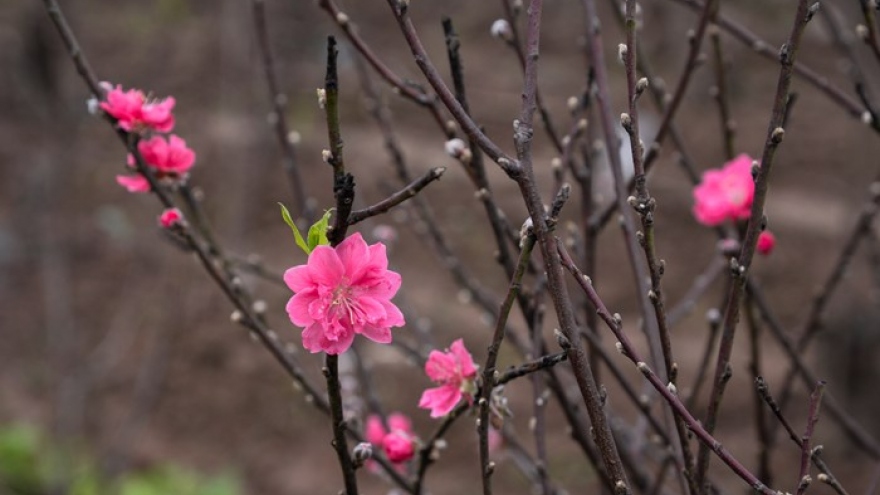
x: 397, y: 441
x: 727, y: 194
x: 168, y: 157
x: 455, y: 372
x: 341, y: 292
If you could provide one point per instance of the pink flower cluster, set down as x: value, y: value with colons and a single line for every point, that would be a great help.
x: 454, y: 371
x: 398, y: 441
x: 341, y: 292
x: 727, y: 194
x: 169, y: 158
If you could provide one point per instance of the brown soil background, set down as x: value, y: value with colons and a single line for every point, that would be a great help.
x: 113, y: 336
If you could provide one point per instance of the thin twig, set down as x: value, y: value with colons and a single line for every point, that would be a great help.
x: 397, y: 198
x: 488, y: 374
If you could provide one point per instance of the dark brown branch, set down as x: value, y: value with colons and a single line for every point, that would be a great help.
x: 397, y: 198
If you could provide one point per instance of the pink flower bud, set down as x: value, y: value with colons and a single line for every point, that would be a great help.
x: 766, y: 242
x: 171, y: 217
x: 398, y: 446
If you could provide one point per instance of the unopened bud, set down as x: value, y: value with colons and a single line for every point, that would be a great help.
x: 501, y: 29
x: 322, y: 97
x: 362, y: 453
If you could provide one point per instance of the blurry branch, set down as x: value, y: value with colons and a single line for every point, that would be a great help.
x: 813, y: 323
x: 843, y: 41
x: 407, y: 89
x: 804, y: 479
x: 701, y: 284
x: 719, y: 90
x: 762, y: 431
x: 514, y: 41
x: 278, y: 118
x: 835, y: 94
x: 868, y: 31
x: 850, y: 426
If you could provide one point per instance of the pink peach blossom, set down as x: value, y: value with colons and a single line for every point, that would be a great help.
x: 725, y: 194
x: 170, y: 217
x: 134, y: 112
x: 398, y: 446
x: 398, y: 442
x: 167, y: 157
x: 133, y: 183
x: 766, y: 242
x: 455, y: 371
x: 341, y: 292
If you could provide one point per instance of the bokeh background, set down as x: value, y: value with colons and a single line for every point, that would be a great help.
x: 119, y: 351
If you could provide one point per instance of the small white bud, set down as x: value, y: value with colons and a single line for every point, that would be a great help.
x: 621, y: 53
x: 342, y: 19
x: 573, y: 102
x: 326, y: 155
x: 455, y: 147
x: 294, y: 137
x: 867, y: 118
x: 93, y: 105
x: 501, y: 29
x: 322, y: 97
x: 862, y: 32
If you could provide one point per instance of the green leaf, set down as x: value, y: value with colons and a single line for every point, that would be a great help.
x: 318, y: 231
x: 299, y: 238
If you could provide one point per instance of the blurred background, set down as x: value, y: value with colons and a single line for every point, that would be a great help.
x: 118, y: 359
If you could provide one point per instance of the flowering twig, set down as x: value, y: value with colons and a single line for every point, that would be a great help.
x: 277, y: 118
x: 343, y: 190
